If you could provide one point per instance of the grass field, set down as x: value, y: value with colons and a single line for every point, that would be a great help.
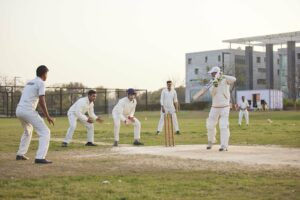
x: 131, y: 178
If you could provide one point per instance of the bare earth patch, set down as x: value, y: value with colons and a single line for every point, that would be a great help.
x: 246, y: 155
x: 130, y: 159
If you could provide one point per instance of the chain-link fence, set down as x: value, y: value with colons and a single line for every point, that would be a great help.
x: 59, y: 99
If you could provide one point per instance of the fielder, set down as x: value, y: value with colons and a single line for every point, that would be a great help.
x: 243, y: 106
x: 168, y: 99
x: 124, y: 111
x: 32, y: 95
x: 77, y: 112
x: 220, y: 92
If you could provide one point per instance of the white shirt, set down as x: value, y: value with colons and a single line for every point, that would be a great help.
x: 244, y: 105
x: 221, y: 94
x: 81, y: 107
x: 124, y: 108
x: 31, y: 92
x: 168, y: 98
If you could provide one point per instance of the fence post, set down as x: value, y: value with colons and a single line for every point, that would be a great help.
x: 7, y: 104
x: 105, y: 102
x: 60, y: 101
x: 12, y: 102
x: 146, y: 100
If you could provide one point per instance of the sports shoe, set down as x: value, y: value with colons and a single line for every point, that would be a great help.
x: 64, y: 144
x: 42, y: 161
x: 209, y: 146
x: 116, y: 143
x: 90, y: 144
x: 137, y: 143
x: 18, y: 157
x: 223, y: 149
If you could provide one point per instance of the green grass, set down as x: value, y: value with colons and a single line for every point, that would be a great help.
x: 161, y: 185
x: 283, y: 131
x: 158, y: 183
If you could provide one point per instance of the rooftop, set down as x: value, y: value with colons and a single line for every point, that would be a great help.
x: 276, y: 39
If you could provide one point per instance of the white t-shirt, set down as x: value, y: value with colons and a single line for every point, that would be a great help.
x: 82, y: 106
x: 124, y: 108
x: 243, y: 105
x: 30, y: 94
x: 168, y: 98
x: 221, y: 94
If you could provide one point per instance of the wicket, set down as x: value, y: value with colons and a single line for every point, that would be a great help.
x: 169, y: 131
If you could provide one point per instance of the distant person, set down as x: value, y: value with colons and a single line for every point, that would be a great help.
x: 77, y: 112
x: 243, y: 107
x: 169, y: 104
x: 124, y: 112
x: 32, y: 95
x: 219, y: 112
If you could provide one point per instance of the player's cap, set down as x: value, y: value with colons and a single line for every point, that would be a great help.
x: 131, y: 91
x: 214, y: 69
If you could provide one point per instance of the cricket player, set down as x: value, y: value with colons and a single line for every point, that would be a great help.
x: 77, y: 112
x: 124, y: 112
x: 32, y: 95
x: 243, y: 106
x: 169, y: 104
x: 220, y: 92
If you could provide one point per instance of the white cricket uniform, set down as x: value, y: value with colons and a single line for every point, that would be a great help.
x: 220, y: 111
x: 167, y: 100
x: 243, y: 112
x: 77, y: 112
x: 29, y: 117
x: 124, y: 109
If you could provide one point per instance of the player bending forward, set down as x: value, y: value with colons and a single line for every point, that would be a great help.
x: 77, y: 112
x: 124, y: 112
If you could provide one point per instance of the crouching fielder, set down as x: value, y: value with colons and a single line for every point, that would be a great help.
x: 77, y: 112
x: 124, y: 111
x: 220, y: 92
x: 243, y: 106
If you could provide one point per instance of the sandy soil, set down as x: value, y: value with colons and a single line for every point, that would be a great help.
x: 247, y: 155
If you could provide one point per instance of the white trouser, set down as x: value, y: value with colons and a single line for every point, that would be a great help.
x: 117, y: 124
x: 162, y: 120
x: 73, y: 122
x: 31, y: 119
x: 221, y: 114
x: 243, y: 113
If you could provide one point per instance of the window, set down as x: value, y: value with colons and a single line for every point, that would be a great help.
x: 189, y: 61
x: 262, y: 70
x: 261, y: 81
x: 206, y: 59
x: 219, y: 58
x: 278, y: 61
x: 278, y: 72
x: 196, y: 71
x: 257, y: 59
x: 298, y: 56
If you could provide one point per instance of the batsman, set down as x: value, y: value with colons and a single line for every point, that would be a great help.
x: 220, y: 91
